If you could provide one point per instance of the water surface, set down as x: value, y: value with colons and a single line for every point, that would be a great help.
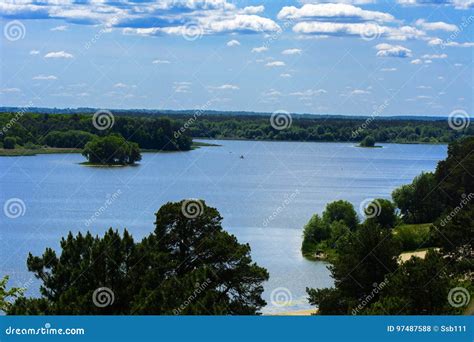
x: 265, y: 198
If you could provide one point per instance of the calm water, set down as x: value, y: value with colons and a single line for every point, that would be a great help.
x: 265, y: 198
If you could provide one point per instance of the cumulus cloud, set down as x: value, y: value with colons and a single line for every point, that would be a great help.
x: 233, y: 42
x: 120, y: 85
x: 388, y: 50
x: 285, y: 75
x: 360, y: 92
x: 260, y: 49
x: 45, y: 77
x: 34, y: 52
x: 435, y: 56
x: 416, y: 61
x: 59, y: 28
x: 275, y: 64
x: 225, y: 87
x: 160, y: 61
x: 459, y: 4
x: 388, y: 69
x: 291, y: 52
x: 58, y: 54
x: 182, y: 87
x: 332, y: 11
x: 436, y: 26
x: 308, y: 93
x: 147, y: 18
x: 438, y: 41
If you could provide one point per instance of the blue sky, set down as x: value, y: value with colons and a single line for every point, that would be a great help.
x: 341, y: 57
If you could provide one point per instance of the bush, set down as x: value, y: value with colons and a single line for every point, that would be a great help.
x: 413, y: 236
x: 9, y: 143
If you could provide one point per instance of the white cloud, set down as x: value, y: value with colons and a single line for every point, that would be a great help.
x: 182, y: 87
x: 416, y: 61
x: 308, y: 93
x: 423, y: 87
x: 435, y: 56
x: 291, y: 52
x: 358, y: 29
x: 275, y: 64
x: 45, y: 77
x: 58, y: 54
x: 285, y: 75
x: 120, y: 85
x: 34, y: 52
x: 160, y: 61
x: 332, y: 11
x: 59, y: 28
x: 458, y: 4
x: 360, y: 92
x: 260, y: 49
x: 233, y: 42
x: 10, y: 90
x: 252, y: 9
x: 388, y: 69
x: 436, y: 26
x: 226, y: 87
x: 438, y: 41
x: 388, y: 50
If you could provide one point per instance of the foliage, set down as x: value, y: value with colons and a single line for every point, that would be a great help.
x: 368, y: 141
x: 383, y: 213
x: 9, y: 143
x: 111, y: 150
x: 413, y: 236
x: 7, y: 297
x: 341, y: 211
x: 186, y: 266
x: 63, y: 130
x: 420, y: 201
x: 68, y: 139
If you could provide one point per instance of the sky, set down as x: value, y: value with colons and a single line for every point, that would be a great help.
x: 351, y: 57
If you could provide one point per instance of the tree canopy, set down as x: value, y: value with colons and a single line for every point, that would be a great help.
x: 188, y: 265
x: 111, y: 150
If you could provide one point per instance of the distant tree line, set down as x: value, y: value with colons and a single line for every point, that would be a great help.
x: 76, y: 130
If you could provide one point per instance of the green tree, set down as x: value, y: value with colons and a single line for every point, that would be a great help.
x: 9, y: 143
x: 364, y: 258
x: 368, y: 141
x: 186, y: 266
x: 341, y: 211
x: 381, y: 211
x: 111, y: 150
x: 419, y: 202
x: 7, y: 297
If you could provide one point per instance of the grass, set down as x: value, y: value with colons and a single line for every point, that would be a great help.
x: 32, y: 152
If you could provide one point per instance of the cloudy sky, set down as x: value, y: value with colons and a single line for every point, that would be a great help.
x: 340, y: 57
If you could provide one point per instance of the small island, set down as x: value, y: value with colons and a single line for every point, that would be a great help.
x: 111, y: 150
x: 368, y: 141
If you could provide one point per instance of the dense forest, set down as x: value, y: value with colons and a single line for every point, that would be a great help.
x: 76, y: 130
x: 159, y: 132
x: 435, y: 214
